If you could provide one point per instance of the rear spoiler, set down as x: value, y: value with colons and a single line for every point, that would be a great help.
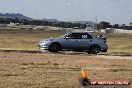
x: 102, y: 37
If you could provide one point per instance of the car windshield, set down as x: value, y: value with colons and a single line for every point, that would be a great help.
x: 92, y: 34
x: 63, y: 36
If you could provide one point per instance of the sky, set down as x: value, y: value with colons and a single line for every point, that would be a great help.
x: 113, y: 11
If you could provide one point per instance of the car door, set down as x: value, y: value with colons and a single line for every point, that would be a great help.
x: 86, y: 41
x: 71, y: 41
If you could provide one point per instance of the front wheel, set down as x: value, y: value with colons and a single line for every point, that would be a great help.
x: 94, y: 49
x: 55, y: 47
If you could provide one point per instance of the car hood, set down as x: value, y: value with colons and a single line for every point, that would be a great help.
x: 50, y: 39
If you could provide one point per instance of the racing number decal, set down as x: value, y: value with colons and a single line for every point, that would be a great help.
x: 84, y: 36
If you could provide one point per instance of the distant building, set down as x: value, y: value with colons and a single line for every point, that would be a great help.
x: 113, y: 30
x: 90, y: 28
x: 27, y: 27
x: 12, y: 24
x: 3, y: 25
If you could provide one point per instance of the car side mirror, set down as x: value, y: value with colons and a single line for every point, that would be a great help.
x: 67, y: 37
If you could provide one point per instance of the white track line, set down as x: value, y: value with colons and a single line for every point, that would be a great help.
x: 109, y: 68
x: 115, y: 57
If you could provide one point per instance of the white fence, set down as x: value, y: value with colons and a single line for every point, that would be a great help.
x: 112, y: 30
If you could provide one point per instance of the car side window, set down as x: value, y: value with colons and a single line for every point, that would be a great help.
x: 86, y: 36
x: 74, y: 36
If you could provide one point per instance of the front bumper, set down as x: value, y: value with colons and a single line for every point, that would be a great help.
x: 43, y: 47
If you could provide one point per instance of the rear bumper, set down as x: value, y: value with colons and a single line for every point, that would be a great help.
x: 104, y: 50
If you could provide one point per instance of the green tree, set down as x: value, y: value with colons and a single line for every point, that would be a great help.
x: 123, y: 26
x: 2, y: 20
x: 103, y: 25
x: 116, y: 26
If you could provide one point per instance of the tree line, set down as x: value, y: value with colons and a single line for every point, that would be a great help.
x: 42, y: 23
x: 101, y: 25
x: 104, y: 25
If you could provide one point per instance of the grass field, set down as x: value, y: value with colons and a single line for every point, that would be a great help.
x: 58, y: 70
x: 28, y: 39
x: 24, y: 39
x: 119, y: 42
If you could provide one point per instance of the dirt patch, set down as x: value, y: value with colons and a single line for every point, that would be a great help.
x: 113, y: 55
x: 60, y: 70
x: 21, y: 51
x: 120, y: 54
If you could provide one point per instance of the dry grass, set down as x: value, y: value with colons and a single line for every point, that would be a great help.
x: 60, y: 70
x: 24, y: 39
x: 23, y: 70
x: 119, y: 42
x: 28, y: 39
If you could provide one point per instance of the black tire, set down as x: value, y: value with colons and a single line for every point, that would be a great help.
x: 54, y: 47
x: 85, y: 82
x: 94, y: 49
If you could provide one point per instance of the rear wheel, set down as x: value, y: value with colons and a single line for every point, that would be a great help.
x: 54, y: 47
x: 94, y: 49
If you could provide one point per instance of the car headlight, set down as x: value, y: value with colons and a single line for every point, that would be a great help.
x: 44, y: 41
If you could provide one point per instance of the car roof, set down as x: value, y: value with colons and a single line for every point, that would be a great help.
x: 80, y: 32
